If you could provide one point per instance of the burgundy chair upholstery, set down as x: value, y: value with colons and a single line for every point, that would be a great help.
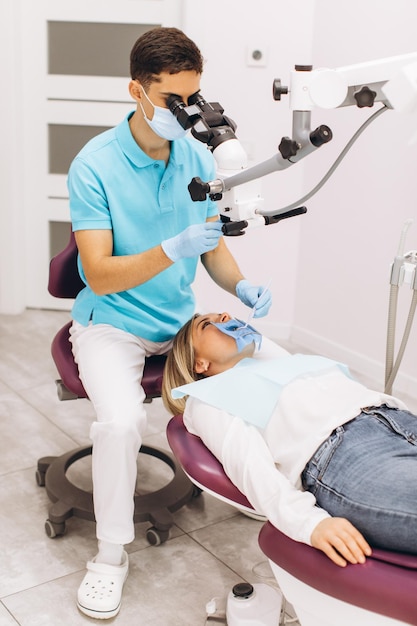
x: 386, y: 584
x: 67, y: 498
x: 64, y: 279
x: 68, y: 371
x: 200, y: 464
x: 65, y: 282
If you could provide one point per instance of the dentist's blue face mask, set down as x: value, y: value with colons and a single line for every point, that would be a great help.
x: 164, y: 123
x: 242, y: 333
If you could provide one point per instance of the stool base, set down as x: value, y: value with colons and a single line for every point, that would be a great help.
x: 69, y: 500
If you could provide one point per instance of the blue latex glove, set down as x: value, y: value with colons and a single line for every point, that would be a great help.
x: 250, y: 295
x: 193, y: 241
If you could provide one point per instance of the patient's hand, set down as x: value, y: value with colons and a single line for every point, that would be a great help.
x: 340, y: 540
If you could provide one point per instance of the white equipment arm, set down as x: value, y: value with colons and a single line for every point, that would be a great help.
x: 391, y: 81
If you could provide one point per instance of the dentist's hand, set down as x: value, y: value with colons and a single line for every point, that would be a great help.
x: 193, y: 241
x: 254, y: 297
x: 340, y: 541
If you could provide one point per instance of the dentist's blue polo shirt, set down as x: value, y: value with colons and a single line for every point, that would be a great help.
x: 114, y: 185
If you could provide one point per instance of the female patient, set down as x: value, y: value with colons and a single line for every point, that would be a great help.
x: 328, y: 461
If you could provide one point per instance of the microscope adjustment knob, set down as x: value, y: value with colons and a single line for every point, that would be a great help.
x: 278, y: 89
x: 198, y: 189
x: 365, y: 97
x: 321, y: 135
x: 288, y: 147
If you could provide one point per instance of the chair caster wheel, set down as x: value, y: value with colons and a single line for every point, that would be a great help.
x: 196, y: 491
x: 155, y: 536
x: 40, y: 478
x: 63, y: 392
x: 54, y: 529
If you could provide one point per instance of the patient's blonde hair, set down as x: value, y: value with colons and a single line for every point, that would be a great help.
x: 179, y: 367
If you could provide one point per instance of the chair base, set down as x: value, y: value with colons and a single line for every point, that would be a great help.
x: 314, y: 608
x: 69, y: 500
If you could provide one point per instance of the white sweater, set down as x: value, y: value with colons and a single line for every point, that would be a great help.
x: 267, y: 465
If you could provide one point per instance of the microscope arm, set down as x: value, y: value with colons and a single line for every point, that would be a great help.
x: 391, y: 81
x: 221, y: 186
x: 273, y: 164
x: 282, y: 160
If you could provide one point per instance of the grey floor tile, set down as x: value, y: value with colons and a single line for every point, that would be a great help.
x: 25, y: 434
x: 25, y: 342
x: 28, y: 556
x: 202, y: 512
x: 163, y: 589
x: 4, y: 389
x: 73, y: 417
x: 5, y: 618
x: 234, y: 541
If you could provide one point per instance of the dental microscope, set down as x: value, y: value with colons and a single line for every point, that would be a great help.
x: 390, y: 81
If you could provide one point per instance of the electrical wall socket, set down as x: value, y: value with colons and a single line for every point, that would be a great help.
x: 256, y: 56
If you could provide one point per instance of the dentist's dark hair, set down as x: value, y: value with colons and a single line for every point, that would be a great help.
x: 163, y: 49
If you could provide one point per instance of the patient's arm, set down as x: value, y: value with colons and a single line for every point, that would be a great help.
x: 249, y: 464
x: 340, y: 541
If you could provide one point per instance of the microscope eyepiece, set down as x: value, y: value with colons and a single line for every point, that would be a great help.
x: 197, y: 99
x: 174, y: 102
x: 206, y: 119
x: 186, y: 115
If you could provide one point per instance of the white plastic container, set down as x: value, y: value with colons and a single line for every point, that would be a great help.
x: 253, y: 605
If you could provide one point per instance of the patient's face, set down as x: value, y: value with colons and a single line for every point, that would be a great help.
x: 215, y: 352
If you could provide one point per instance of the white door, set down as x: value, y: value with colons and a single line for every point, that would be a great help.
x: 74, y: 83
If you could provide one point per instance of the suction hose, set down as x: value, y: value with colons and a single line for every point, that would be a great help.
x: 392, y: 320
x: 407, y: 330
x: 391, y: 369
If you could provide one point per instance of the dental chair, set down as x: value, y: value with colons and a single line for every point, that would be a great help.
x: 67, y: 498
x: 381, y: 592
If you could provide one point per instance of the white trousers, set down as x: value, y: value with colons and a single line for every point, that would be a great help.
x: 110, y: 363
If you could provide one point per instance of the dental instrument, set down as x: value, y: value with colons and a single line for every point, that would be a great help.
x: 253, y: 309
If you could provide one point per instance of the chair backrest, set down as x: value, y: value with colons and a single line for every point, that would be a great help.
x: 64, y: 279
x: 65, y: 282
x: 200, y: 464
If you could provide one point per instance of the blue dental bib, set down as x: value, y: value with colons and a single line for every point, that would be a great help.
x: 251, y: 389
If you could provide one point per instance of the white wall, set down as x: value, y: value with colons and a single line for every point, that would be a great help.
x: 330, y: 268
x: 351, y: 233
x: 225, y: 31
x: 12, y: 231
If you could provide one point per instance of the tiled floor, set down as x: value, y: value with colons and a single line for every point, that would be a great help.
x: 211, y: 546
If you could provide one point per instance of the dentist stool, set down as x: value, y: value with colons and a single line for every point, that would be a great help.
x: 382, y: 592
x: 68, y: 499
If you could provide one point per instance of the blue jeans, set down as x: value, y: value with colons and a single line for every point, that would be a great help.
x: 366, y: 471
